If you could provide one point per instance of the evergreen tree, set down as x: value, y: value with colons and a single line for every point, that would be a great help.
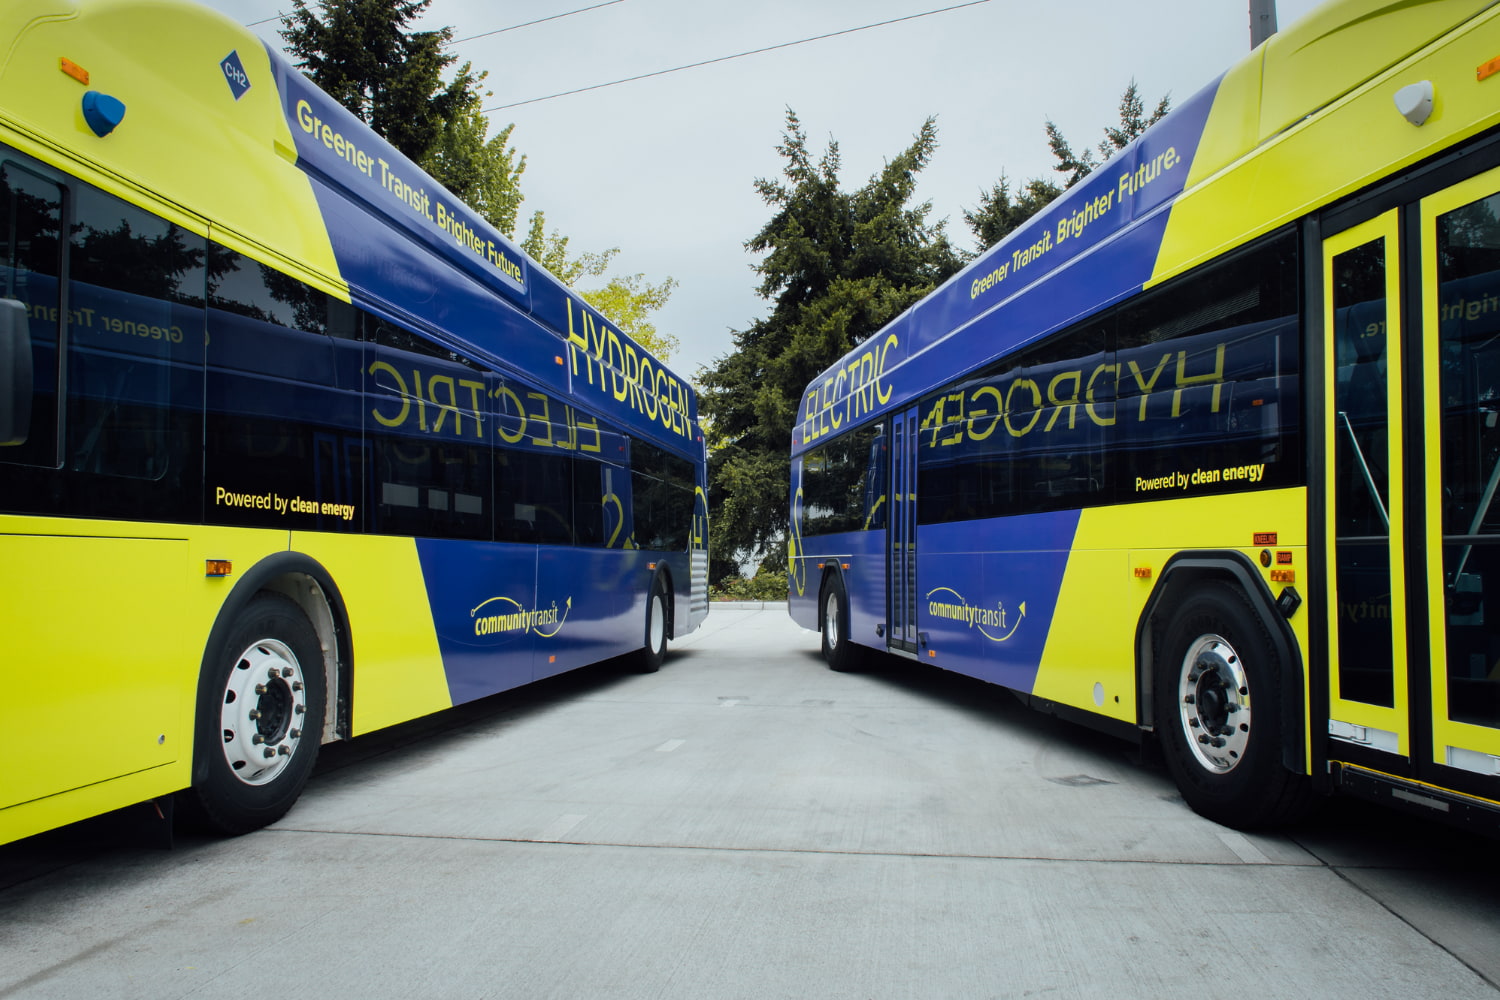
x: 1133, y: 122
x: 837, y: 266
x: 360, y: 53
x: 999, y: 211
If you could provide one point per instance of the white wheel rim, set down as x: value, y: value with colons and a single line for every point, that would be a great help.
x: 262, y: 713
x: 831, y: 623
x: 657, y: 627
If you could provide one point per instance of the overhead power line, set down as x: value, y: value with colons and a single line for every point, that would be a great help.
x: 737, y: 55
x: 482, y: 34
x: 540, y: 20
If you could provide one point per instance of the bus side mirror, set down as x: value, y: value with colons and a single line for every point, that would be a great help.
x: 15, y: 372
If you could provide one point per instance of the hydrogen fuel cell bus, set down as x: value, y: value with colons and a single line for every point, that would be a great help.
x: 293, y: 446
x: 1208, y: 449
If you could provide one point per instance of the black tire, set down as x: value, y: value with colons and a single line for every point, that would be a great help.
x: 651, y: 655
x: 1218, y: 712
x: 260, y: 718
x: 833, y: 622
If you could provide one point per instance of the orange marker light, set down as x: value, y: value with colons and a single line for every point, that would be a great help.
x: 1486, y: 70
x: 1283, y: 576
x: 1143, y: 572
x: 74, y: 70
x: 217, y: 567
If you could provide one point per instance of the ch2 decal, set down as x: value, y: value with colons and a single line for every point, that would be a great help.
x: 520, y: 620
x: 996, y: 624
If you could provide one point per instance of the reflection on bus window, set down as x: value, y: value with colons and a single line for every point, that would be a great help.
x: 1469, y: 351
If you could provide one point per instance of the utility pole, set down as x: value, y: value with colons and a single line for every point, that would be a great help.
x: 1262, y: 21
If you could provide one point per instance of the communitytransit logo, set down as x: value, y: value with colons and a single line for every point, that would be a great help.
x: 996, y: 624
x: 503, y: 619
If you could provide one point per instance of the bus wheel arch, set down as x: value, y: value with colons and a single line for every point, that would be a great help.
x: 284, y: 614
x: 1209, y: 645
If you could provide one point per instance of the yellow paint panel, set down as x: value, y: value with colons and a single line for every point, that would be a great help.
x: 184, y: 140
x: 1092, y: 640
x: 1356, y: 141
x: 398, y: 668
x: 84, y: 638
x: 106, y: 626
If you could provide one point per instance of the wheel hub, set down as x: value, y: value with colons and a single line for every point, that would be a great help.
x: 265, y: 700
x: 1214, y: 703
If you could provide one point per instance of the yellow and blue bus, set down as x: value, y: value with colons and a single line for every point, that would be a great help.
x: 293, y: 445
x: 1208, y: 450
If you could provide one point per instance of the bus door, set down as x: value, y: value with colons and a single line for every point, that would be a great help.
x: 901, y: 561
x: 1363, y: 441
x: 1460, y: 411
x: 1412, y: 428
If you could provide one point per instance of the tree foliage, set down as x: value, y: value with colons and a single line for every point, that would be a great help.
x: 626, y: 301
x: 837, y: 266
x: 360, y: 53
x: 1133, y: 121
x: 483, y: 173
x: 1000, y: 210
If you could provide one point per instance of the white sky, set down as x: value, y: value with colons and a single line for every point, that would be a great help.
x: 664, y: 168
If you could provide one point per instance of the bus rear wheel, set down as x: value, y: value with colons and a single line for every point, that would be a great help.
x: 262, y: 720
x: 1218, y: 710
x: 651, y: 656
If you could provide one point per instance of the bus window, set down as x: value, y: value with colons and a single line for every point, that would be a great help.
x: 1469, y: 349
x: 30, y: 258
x: 134, y: 360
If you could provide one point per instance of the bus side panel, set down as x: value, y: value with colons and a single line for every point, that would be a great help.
x: 109, y: 675
x: 987, y: 606
x: 596, y: 599
x: 398, y: 668
x: 866, y: 583
x: 1101, y: 600
x: 81, y: 673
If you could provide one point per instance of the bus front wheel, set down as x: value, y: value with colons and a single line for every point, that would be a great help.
x: 834, y: 623
x: 1218, y: 710
x: 262, y: 722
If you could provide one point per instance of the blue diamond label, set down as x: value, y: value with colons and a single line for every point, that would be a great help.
x: 234, y: 73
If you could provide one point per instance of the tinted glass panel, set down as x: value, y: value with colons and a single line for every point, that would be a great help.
x: 1469, y: 359
x: 134, y: 362
x: 430, y: 453
x: 284, y: 416
x: 843, y: 483
x: 1191, y: 390
x: 1207, y: 382
x: 661, y: 498
x: 30, y: 262
x: 1362, y: 477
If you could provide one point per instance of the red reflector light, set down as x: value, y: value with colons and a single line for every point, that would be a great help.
x: 217, y: 567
